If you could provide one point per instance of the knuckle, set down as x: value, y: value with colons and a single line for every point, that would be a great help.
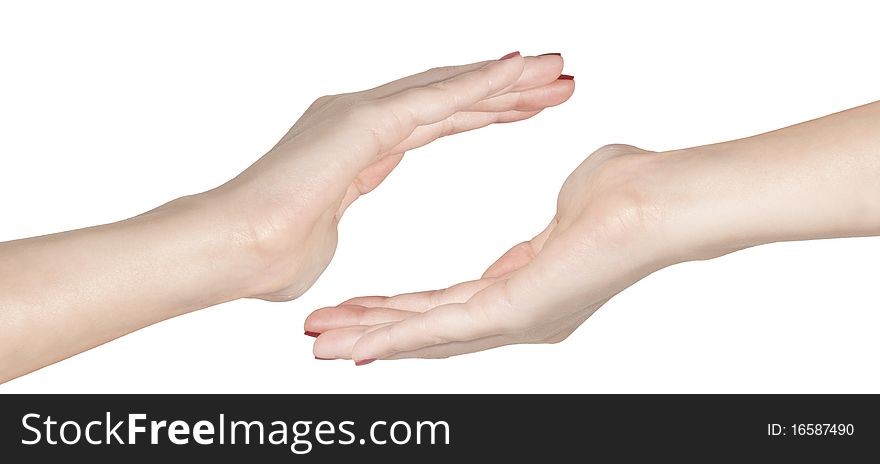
x: 323, y: 100
x: 614, y: 150
x: 506, y: 317
x: 445, y: 91
x: 609, y: 194
x: 520, y: 100
x: 625, y: 204
x: 435, y: 297
x: 448, y: 127
x: 611, y: 151
x: 617, y: 149
x: 439, y: 85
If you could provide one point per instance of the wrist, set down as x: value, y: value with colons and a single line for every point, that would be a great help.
x: 216, y: 244
x: 775, y: 187
x: 704, y: 203
x: 275, y: 246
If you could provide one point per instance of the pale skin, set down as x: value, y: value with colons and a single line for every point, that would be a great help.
x: 623, y: 214
x: 268, y: 233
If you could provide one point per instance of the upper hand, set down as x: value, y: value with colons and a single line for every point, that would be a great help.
x: 345, y: 145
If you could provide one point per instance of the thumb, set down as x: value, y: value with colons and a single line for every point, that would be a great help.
x: 368, y: 179
x: 520, y: 254
x: 515, y: 258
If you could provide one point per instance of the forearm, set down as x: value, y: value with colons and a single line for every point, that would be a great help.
x: 64, y: 293
x: 818, y: 179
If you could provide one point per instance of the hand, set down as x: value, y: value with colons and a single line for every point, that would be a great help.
x: 601, y: 240
x: 623, y: 214
x: 268, y: 233
x: 345, y: 145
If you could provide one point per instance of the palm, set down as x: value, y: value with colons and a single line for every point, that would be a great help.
x: 345, y: 145
x: 540, y: 291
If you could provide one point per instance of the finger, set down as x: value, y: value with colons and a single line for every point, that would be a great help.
x: 422, y: 79
x: 540, y: 239
x: 518, y: 308
x: 456, y: 322
x: 511, y: 108
x: 397, y: 115
x: 447, y: 350
x: 519, y: 106
x: 549, y: 94
x: 520, y: 254
x: 557, y: 281
x: 506, y: 308
x: 538, y: 70
x: 374, y: 174
x: 423, y: 301
x: 346, y: 315
x: 368, y: 179
x: 458, y: 123
x: 457, y: 348
x: 516, y: 257
x: 337, y: 343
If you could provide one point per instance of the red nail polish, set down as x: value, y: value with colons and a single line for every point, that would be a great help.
x: 509, y: 56
x: 324, y: 359
x: 550, y: 54
x: 312, y: 334
x: 565, y: 77
x: 363, y: 362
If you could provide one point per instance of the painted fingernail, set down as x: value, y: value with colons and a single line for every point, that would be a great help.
x: 323, y: 359
x: 509, y: 56
x: 550, y: 54
x: 312, y: 334
x: 363, y: 362
x: 565, y: 77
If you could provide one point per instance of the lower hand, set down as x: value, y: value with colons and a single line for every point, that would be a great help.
x: 601, y: 240
x: 623, y: 214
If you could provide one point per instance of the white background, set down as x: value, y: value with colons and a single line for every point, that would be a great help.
x: 107, y: 110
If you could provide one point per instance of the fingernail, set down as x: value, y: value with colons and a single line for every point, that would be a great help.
x: 323, y: 359
x: 509, y: 56
x: 363, y: 362
x: 550, y: 54
x: 312, y: 334
x: 565, y: 77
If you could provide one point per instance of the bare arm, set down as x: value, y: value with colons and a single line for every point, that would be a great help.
x: 623, y: 214
x: 269, y: 233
